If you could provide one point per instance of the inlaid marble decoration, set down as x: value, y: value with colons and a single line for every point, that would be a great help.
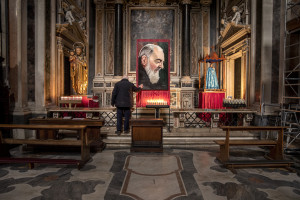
x: 108, y: 99
x: 140, y: 181
x: 102, y: 177
x: 151, y: 24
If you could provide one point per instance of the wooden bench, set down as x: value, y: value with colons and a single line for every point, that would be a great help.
x: 93, y: 129
x: 276, y: 150
x: 83, y: 142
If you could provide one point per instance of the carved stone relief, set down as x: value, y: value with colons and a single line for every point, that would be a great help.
x: 187, y: 100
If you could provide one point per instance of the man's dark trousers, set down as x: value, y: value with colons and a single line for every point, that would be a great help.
x: 120, y: 113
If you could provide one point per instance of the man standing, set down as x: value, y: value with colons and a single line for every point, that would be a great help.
x: 122, y: 98
x: 151, y: 61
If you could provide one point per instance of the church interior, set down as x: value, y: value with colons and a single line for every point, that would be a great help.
x: 218, y: 115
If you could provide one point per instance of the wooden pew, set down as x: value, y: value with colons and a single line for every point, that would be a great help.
x: 84, y: 143
x: 93, y: 129
x: 276, y: 152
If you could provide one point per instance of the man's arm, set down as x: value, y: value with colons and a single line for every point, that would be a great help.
x: 137, y: 89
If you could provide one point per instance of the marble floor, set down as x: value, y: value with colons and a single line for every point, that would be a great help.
x: 174, y: 174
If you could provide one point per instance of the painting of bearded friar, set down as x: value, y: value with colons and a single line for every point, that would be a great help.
x: 153, y: 65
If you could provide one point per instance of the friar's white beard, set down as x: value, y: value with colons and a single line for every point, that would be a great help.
x: 153, y: 76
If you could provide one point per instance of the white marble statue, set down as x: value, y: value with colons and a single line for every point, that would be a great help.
x: 237, y: 15
x: 69, y: 16
x: 82, y: 23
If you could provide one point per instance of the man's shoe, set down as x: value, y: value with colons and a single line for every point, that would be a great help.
x: 118, y: 132
x: 126, y: 132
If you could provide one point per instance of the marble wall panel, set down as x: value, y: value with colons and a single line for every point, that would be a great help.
x: 205, y: 21
x: 196, y: 36
x: 13, y: 56
x: 275, y: 52
x: 109, y: 43
x: 99, y: 42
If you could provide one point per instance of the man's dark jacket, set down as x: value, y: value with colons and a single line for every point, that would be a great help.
x: 122, y: 95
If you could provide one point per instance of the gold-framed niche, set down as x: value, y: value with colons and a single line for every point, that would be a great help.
x: 235, y: 46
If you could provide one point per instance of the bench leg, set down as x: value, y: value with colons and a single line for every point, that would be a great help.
x: 31, y: 165
x: 223, y: 156
x: 275, y: 153
x: 4, y: 150
x: 85, y: 148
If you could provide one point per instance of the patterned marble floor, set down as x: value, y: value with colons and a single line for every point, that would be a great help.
x: 175, y: 174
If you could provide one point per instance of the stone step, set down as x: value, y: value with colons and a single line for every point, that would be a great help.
x: 180, y: 137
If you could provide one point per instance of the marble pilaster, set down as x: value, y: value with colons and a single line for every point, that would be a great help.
x: 60, y: 68
x: 109, y: 43
x: 40, y: 20
x: 266, y: 51
x: 251, y: 82
x: 281, y: 54
x: 205, y: 30
x: 99, y: 39
x: 185, y: 63
x: 17, y: 62
x: 196, y: 40
x: 118, y: 50
x: 53, y: 77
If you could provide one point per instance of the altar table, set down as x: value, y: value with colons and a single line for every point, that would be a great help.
x: 211, y: 100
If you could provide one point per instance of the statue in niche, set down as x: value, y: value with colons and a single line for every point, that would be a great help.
x: 78, y: 70
x: 82, y: 23
x: 211, y: 78
x: 69, y: 16
x: 237, y: 15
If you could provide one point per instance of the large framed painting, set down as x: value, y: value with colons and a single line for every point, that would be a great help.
x: 153, y: 64
x: 152, y: 24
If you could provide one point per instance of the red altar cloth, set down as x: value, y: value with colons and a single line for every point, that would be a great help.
x: 211, y: 100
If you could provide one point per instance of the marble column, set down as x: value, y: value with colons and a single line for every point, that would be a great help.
x: 118, y: 52
x: 40, y: 21
x: 251, y: 82
x: 185, y: 62
x: 266, y: 51
x: 53, y: 77
x: 281, y: 54
x: 17, y: 57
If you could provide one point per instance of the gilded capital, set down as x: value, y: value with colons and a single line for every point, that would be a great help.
x: 119, y: 1
x: 205, y: 2
x: 186, y: 1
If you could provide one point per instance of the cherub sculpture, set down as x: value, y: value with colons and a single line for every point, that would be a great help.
x: 237, y: 15
x: 69, y: 16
